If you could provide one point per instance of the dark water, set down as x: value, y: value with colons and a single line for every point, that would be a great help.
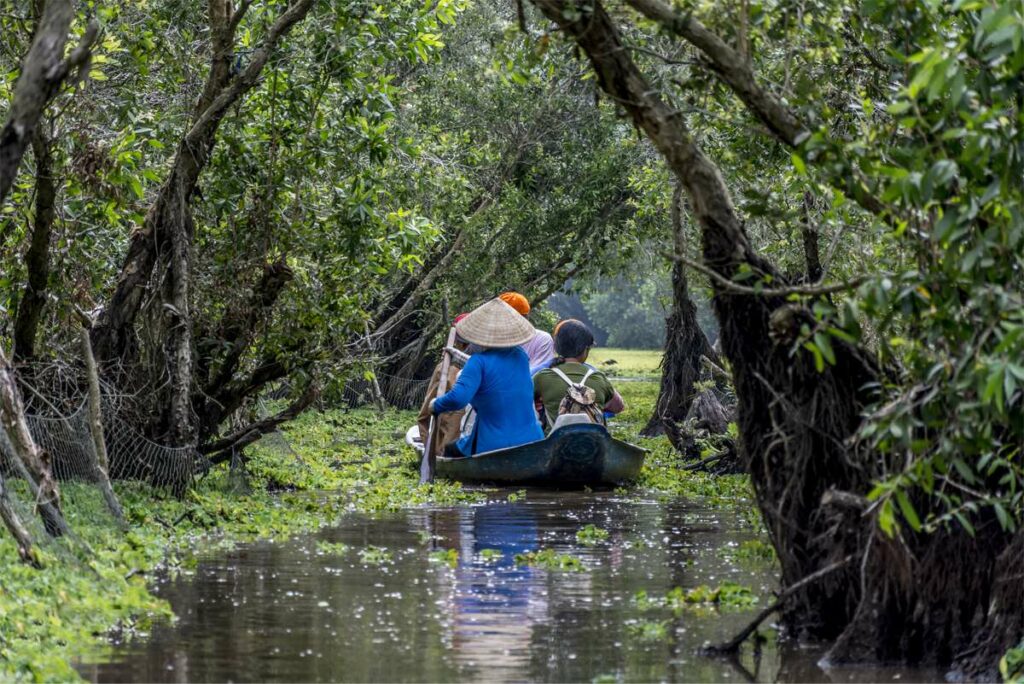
x: 292, y: 612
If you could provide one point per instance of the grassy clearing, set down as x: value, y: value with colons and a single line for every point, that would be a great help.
x: 98, y: 579
x: 627, y: 363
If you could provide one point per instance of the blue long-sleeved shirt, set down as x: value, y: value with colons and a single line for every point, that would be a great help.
x: 497, y: 383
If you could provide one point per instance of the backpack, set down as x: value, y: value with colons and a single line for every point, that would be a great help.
x: 579, y: 399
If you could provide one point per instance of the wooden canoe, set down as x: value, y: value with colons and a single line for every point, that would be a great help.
x: 571, y: 456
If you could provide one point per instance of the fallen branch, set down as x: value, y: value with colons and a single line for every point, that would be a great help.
x: 731, y: 646
x: 221, y: 450
x: 708, y: 460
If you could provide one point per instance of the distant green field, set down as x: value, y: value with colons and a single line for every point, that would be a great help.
x: 627, y: 362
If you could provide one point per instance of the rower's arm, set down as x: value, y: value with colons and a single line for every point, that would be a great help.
x: 464, y: 390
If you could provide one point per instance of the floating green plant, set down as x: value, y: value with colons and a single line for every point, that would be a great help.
x: 591, y: 535
x: 550, y: 560
x: 490, y: 555
x: 331, y: 548
x: 375, y: 555
x: 649, y: 630
x: 449, y: 557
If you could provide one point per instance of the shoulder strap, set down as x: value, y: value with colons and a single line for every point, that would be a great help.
x: 590, y: 371
x: 563, y: 376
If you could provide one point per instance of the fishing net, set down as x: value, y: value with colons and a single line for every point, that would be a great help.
x: 58, y: 418
x: 394, y: 391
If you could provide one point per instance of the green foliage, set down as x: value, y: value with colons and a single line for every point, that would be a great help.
x: 375, y: 555
x: 951, y: 312
x: 649, y: 630
x: 591, y: 535
x: 449, y: 557
x: 726, y: 594
x: 549, y: 559
x: 490, y: 555
x: 50, y: 616
x: 1011, y: 665
x: 331, y: 548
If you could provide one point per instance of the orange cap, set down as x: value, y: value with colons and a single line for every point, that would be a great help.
x: 516, y: 301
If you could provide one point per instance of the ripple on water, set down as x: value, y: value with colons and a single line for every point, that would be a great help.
x: 369, y: 604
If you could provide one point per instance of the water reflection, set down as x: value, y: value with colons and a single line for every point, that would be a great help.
x: 288, y: 612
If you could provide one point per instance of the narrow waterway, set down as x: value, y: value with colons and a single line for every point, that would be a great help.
x: 383, y: 610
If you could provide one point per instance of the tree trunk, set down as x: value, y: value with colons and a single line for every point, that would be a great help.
x: 113, y: 337
x: 37, y: 258
x: 32, y: 462
x: 794, y: 420
x: 42, y: 73
x: 164, y: 244
x: 14, y: 525
x: 812, y: 251
x: 102, y: 463
x: 685, y: 342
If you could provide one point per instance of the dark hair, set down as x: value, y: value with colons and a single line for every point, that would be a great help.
x: 572, y: 340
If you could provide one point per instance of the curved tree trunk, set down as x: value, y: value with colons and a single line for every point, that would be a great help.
x: 916, y: 597
x: 685, y: 342
x: 794, y: 420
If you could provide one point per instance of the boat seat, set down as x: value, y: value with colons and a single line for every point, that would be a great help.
x: 571, y: 419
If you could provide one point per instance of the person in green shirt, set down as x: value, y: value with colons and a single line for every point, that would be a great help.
x: 573, y: 342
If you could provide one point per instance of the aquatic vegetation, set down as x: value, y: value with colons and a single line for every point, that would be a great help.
x: 664, y: 469
x: 490, y: 555
x: 591, y: 535
x: 750, y: 551
x: 375, y: 555
x: 517, y: 495
x: 449, y: 557
x: 549, y: 559
x: 326, y: 465
x: 331, y: 548
x: 426, y: 537
x: 644, y: 601
x: 1011, y: 665
x: 727, y: 594
x: 649, y: 630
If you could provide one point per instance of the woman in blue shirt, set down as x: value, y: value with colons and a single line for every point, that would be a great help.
x: 495, y: 381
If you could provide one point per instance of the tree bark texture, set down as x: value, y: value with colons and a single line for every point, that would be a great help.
x: 37, y: 257
x: 102, y: 462
x: 685, y: 342
x: 42, y: 73
x: 793, y: 420
x: 32, y: 462
x: 15, y: 526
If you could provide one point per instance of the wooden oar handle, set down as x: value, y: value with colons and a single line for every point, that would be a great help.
x: 429, y: 462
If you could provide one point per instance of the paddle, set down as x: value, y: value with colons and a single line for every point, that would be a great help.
x: 429, y: 457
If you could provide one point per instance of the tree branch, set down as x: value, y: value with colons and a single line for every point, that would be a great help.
x: 733, y: 68
x: 222, y: 449
x: 737, y: 288
x: 43, y: 72
x: 733, y: 644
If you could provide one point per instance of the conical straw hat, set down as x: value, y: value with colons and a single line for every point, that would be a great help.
x: 495, y: 324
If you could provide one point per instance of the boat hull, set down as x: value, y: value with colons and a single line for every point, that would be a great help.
x: 572, y: 456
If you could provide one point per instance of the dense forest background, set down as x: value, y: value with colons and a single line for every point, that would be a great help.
x: 243, y: 200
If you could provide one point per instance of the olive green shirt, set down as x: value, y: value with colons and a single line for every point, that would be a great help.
x: 550, y: 388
